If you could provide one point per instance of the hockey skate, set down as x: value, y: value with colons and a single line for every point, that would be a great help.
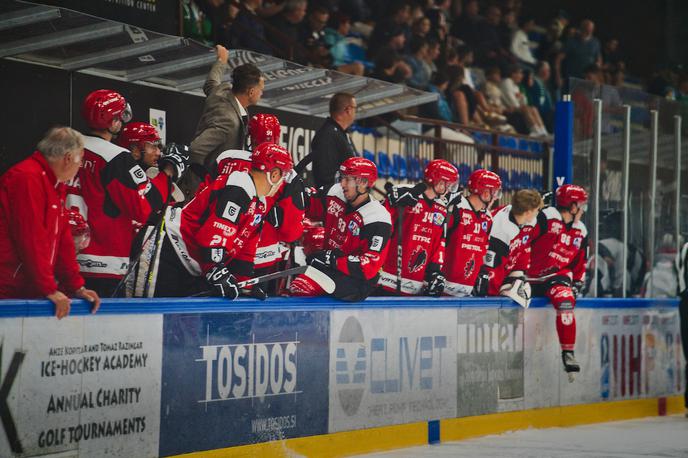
x: 571, y: 366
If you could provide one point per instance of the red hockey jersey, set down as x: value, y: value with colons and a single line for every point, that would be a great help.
x: 467, y: 236
x: 422, y: 245
x: 508, y: 249
x: 217, y: 224
x: 361, y: 234
x: 558, y: 248
x: 115, y: 196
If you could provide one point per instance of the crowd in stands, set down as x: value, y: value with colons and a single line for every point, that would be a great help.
x: 492, y: 65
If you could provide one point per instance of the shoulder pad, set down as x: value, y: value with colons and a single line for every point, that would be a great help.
x: 551, y: 213
x: 242, y: 180
x: 374, y: 212
x: 336, y: 191
x: 581, y: 227
x: 502, y: 226
x: 107, y: 150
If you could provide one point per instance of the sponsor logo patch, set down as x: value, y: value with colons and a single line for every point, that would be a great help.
x: 137, y: 174
x: 376, y: 243
x: 231, y: 212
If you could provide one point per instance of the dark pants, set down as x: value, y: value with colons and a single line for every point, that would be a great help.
x: 173, y: 280
x: 105, y: 287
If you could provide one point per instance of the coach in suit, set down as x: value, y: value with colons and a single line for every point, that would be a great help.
x: 223, y: 124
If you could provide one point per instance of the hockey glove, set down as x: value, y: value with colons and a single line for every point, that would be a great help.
x: 275, y: 217
x: 222, y: 282
x: 297, y: 191
x: 577, y: 288
x: 327, y: 258
x: 177, y: 156
x: 435, y: 286
x: 404, y: 196
x: 481, y: 284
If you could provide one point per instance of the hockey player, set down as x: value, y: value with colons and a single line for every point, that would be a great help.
x: 415, y: 268
x: 357, y: 229
x: 558, y: 261
x: 202, y: 240
x: 508, y: 252
x: 468, y: 228
x: 111, y: 190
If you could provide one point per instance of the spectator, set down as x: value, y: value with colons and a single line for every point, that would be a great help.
x: 507, y: 28
x: 421, y: 27
x: 514, y: 100
x: 313, y: 37
x: 392, y: 31
x: 38, y: 257
x: 681, y: 263
x: 247, y: 30
x: 582, y: 51
x: 420, y: 76
x: 432, y: 56
x: 539, y: 95
x: 465, y: 59
x: 336, y: 40
x: 520, y: 44
x: 612, y: 55
x: 440, y: 109
x: 223, y: 123
x: 467, y: 26
x: 285, y: 33
x: 488, y: 48
x: 390, y: 67
x: 331, y: 145
x: 462, y: 99
x: 112, y: 193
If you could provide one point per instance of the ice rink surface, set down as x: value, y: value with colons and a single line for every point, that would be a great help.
x: 647, y: 437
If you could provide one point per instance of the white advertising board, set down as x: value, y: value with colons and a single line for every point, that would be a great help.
x: 391, y: 366
x: 86, y: 385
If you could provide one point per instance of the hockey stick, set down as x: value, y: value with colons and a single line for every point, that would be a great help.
x: 540, y: 279
x: 262, y: 279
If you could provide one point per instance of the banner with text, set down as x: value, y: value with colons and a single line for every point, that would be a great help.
x: 88, y: 385
x: 241, y: 378
x: 391, y: 366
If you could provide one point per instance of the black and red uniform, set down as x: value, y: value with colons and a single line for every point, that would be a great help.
x: 467, y: 237
x: 422, y: 245
x: 508, y: 249
x: 558, y: 258
x: 214, y: 228
x: 115, y: 197
x: 357, y: 239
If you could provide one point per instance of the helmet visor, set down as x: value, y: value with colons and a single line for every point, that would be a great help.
x: 126, y: 114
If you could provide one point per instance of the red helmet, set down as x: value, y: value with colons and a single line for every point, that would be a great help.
x: 484, y: 180
x: 101, y: 107
x: 138, y: 132
x: 441, y: 170
x: 359, y: 167
x: 264, y: 128
x: 81, y: 232
x: 268, y: 156
x: 313, y: 238
x: 569, y: 194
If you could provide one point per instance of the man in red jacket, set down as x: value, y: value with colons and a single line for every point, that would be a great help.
x: 37, y: 257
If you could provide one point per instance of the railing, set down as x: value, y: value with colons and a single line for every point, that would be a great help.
x: 521, y: 161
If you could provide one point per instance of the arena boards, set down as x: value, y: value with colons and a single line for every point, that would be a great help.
x: 319, y: 378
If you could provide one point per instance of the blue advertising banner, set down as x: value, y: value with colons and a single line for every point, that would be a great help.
x: 240, y: 378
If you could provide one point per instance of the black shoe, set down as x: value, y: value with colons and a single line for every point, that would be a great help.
x: 569, y: 360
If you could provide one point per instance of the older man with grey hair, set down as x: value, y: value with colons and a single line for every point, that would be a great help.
x: 37, y: 256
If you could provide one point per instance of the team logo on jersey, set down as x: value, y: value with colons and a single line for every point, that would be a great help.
x: 256, y: 220
x: 577, y: 242
x: 354, y: 228
x: 470, y: 267
x: 231, y: 212
x: 556, y: 228
x: 484, y: 226
x: 437, y: 219
x: 466, y: 219
x: 137, y: 174
x: 418, y: 259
